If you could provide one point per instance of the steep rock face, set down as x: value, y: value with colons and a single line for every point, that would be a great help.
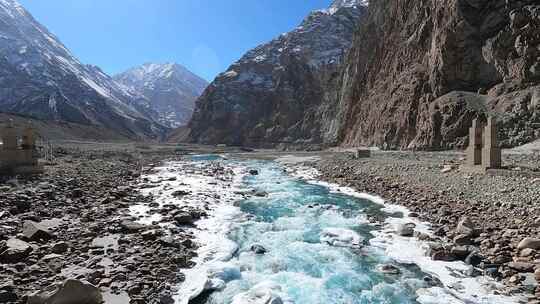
x: 281, y: 92
x: 171, y: 90
x: 41, y: 78
x: 420, y: 70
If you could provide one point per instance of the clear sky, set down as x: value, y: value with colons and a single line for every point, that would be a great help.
x: 206, y: 36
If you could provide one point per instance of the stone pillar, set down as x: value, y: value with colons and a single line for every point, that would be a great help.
x: 9, y: 137
x: 491, y: 153
x: 29, y: 139
x: 474, y: 151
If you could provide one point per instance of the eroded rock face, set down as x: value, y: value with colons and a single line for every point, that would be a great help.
x: 420, y: 71
x: 281, y: 92
x: 416, y: 75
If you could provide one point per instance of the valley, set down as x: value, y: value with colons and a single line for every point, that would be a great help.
x: 332, y: 163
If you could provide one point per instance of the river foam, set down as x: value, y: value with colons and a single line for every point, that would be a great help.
x: 316, y: 254
x: 458, y: 288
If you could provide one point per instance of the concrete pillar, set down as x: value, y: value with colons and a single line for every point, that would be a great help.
x: 474, y: 151
x: 491, y: 153
x: 29, y: 139
x: 9, y: 137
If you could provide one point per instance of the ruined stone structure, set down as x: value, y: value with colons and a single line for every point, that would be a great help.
x: 483, y: 152
x: 361, y: 153
x: 18, y: 158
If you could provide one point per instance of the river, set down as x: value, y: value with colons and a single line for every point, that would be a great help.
x: 277, y: 235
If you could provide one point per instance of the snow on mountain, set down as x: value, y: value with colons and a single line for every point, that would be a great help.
x: 170, y: 88
x: 40, y: 77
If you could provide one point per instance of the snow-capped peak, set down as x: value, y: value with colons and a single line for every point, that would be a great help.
x: 337, y: 4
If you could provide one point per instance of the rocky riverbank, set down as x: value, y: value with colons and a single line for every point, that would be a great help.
x: 480, y: 219
x: 74, y: 223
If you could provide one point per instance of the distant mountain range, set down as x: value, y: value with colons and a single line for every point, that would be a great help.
x: 171, y: 88
x: 39, y: 77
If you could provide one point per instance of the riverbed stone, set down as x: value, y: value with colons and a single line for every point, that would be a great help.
x: 389, y: 269
x: 521, y: 266
x: 258, y: 249
x: 60, y: 247
x: 36, y: 232
x: 8, y: 296
x: 70, y: 292
x: 131, y: 226
x: 16, y: 251
x: 406, y: 230
x: 531, y: 243
x: 180, y: 193
x: 184, y: 218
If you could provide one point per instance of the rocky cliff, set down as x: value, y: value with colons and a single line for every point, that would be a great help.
x: 281, y: 92
x: 171, y: 90
x: 40, y: 77
x: 420, y: 70
x: 417, y: 73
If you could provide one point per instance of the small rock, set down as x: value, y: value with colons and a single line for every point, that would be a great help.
x: 180, y: 193
x: 258, y: 249
x: 166, y: 298
x: 461, y: 252
x: 465, y: 227
x: 131, y: 227
x: 261, y: 193
x: 474, y: 259
x: 183, y: 218
x: 254, y: 172
x: 389, y: 269
x: 446, y: 168
x: 60, y: 247
x: 463, y: 239
x: 406, y: 230
x: 442, y: 255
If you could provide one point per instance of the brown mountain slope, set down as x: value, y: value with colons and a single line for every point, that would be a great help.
x: 420, y: 70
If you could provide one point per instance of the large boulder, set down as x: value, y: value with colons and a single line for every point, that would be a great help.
x: 529, y: 243
x: 15, y: 251
x: 36, y: 232
x: 69, y: 292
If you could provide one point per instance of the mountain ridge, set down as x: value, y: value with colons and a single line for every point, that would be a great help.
x: 40, y: 77
x: 270, y: 95
x: 170, y: 88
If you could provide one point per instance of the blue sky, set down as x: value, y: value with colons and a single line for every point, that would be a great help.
x: 206, y: 36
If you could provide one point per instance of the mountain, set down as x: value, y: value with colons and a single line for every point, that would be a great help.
x: 170, y: 88
x: 420, y: 71
x: 415, y: 76
x: 40, y: 77
x: 280, y: 93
